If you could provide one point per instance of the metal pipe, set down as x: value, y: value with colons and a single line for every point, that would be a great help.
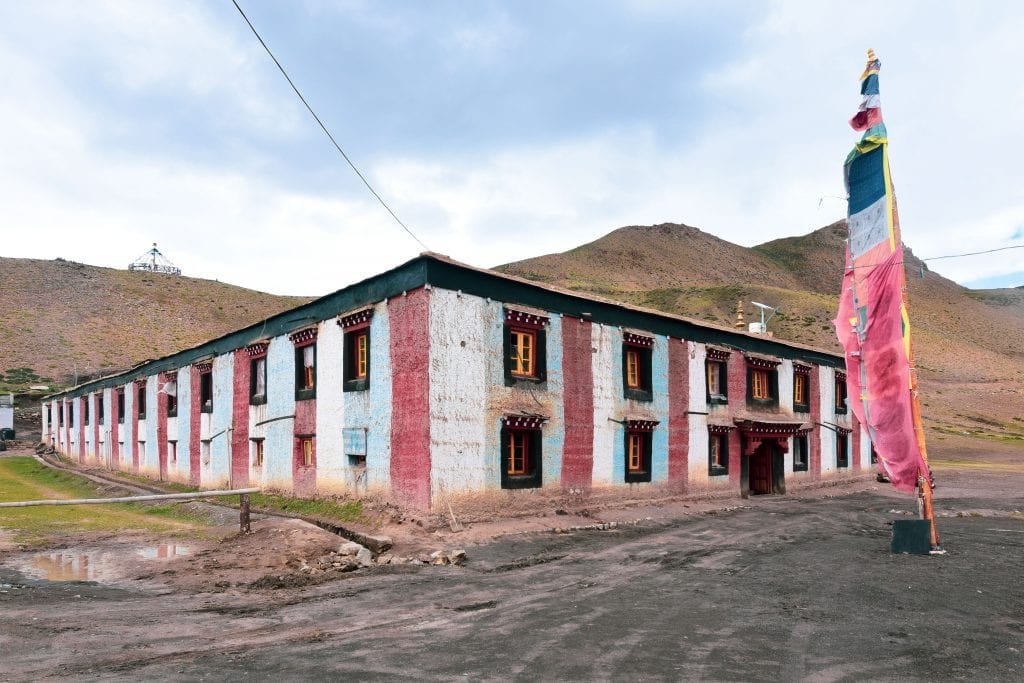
x: 130, y: 499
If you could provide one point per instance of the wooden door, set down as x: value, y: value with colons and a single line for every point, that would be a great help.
x: 761, y: 470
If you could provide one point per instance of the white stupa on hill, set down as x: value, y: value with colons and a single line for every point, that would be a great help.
x: 154, y: 262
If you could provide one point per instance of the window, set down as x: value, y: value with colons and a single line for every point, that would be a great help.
x: 759, y: 384
x: 801, y: 457
x: 842, y: 450
x: 172, y: 452
x: 204, y: 450
x: 306, y: 451
x: 841, y: 393
x: 258, y: 381
x: 762, y: 383
x: 636, y: 367
x: 874, y: 455
x: 60, y: 418
x: 99, y: 408
x: 524, y: 346
x: 171, y: 389
x: 85, y: 410
x: 305, y: 372
x: 119, y: 401
x: 718, y: 453
x: 206, y: 391
x: 257, y: 452
x: 717, y: 381
x: 801, y: 400
x: 71, y: 414
x: 141, y: 445
x: 638, y: 455
x: 356, y: 371
x: 523, y: 353
x: 520, y: 455
x: 142, y: 401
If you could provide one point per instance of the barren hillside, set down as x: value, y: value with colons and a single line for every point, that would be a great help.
x: 969, y: 343
x: 59, y: 318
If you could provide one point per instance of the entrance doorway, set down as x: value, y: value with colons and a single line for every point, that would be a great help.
x: 761, y: 479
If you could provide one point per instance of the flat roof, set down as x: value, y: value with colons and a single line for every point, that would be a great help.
x: 438, y: 270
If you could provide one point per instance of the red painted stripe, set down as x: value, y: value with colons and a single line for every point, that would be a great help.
x: 194, y: 422
x: 135, y: 424
x: 94, y: 411
x: 239, y: 420
x: 161, y: 426
x: 410, y: 398
x: 115, y: 448
x: 737, y: 381
x: 578, y: 404
x: 304, y: 477
x: 678, y: 405
x: 79, y: 405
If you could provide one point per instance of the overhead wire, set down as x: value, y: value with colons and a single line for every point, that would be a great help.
x: 324, y: 128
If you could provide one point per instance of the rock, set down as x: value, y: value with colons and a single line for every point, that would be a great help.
x: 383, y: 559
x: 438, y: 557
x: 457, y: 557
x: 377, y: 544
x: 364, y: 557
x: 350, y: 549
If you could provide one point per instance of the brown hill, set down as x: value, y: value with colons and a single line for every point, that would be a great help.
x: 61, y: 318
x: 969, y: 344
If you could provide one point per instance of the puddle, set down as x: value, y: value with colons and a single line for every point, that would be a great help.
x: 81, y: 565
x: 164, y: 551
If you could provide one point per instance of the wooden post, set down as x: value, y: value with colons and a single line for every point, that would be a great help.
x: 243, y: 513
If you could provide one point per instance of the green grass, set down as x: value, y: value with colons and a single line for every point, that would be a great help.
x: 26, y: 479
x: 320, y: 508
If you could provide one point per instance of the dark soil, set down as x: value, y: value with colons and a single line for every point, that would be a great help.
x: 775, y: 588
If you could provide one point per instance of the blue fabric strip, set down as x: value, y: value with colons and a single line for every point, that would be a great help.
x: 869, y: 86
x: 866, y: 180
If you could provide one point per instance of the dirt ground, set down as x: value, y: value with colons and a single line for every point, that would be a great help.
x: 799, y: 587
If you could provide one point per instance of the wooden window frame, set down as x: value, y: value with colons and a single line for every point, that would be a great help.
x: 637, y: 373
x: 257, y: 451
x: 119, y: 398
x: 140, y: 399
x: 637, y: 466
x: 172, y: 451
x: 305, y: 451
x: 719, y: 370
x: 531, y: 440
x: 257, y: 367
x: 523, y: 363
x: 538, y: 372
x: 305, y: 381
x: 722, y: 441
x: 355, y: 377
x: 206, y: 391
x: 85, y: 410
x: 841, y: 395
x: 802, y: 380
x: 766, y: 379
x: 172, y: 399
x: 101, y: 415
x: 801, y: 444
x: 842, y: 451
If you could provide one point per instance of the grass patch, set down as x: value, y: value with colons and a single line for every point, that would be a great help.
x: 321, y: 508
x: 27, y: 479
x: 958, y: 464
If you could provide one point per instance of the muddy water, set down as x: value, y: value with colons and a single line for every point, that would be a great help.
x: 93, y: 565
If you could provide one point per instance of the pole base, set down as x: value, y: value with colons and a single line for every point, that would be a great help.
x: 911, y: 536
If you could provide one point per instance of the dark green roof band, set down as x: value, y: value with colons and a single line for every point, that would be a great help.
x: 440, y: 271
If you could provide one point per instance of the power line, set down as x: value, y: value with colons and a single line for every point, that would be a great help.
x: 324, y: 128
x: 974, y: 253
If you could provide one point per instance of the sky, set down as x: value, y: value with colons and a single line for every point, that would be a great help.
x: 496, y: 131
